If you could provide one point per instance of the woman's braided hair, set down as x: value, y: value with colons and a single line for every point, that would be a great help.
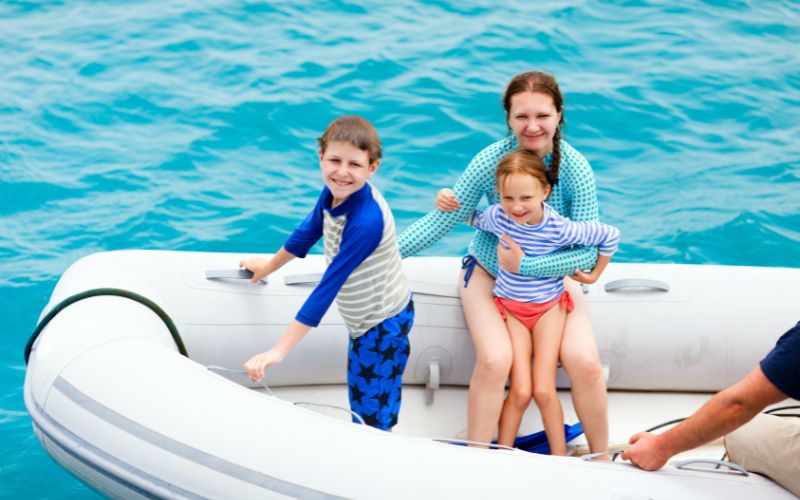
x: 542, y: 83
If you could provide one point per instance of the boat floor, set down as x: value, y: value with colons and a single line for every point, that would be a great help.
x: 445, y: 416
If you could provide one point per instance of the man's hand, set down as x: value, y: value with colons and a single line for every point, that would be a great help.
x: 646, y: 451
x: 509, y: 254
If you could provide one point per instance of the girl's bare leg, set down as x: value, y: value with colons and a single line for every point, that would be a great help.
x: 547, y: 335
x: 519, y: 392
x: 492, y: 356
x: 581, y: 361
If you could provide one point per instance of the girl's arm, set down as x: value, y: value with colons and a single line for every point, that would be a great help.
x: 592, y: 233
x: 477, y: 179
x: 485, y: 220
x: 580, y: 194
x: 599, y: 267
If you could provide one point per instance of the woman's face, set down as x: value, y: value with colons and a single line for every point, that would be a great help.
x: 534, y: 119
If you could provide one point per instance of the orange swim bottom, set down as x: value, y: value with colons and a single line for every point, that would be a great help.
x: 530, y: 312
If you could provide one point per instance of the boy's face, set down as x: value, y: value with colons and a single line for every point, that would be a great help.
x: 345, y: 169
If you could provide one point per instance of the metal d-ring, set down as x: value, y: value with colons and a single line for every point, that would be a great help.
x: 324, y: 405
x: 592, y: 456
x: 466, y: 442
x: 734, y: 468
x: 217, y: 368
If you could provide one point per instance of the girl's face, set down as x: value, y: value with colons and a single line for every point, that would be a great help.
x: 522, y: 197
x: 533, y: 119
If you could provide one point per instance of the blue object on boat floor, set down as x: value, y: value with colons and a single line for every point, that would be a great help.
x: 537, y: 442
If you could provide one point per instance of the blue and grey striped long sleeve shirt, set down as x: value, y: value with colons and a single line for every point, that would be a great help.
x: 364, y: 273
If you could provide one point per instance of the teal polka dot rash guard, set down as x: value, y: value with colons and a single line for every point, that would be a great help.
x: 575, y: 197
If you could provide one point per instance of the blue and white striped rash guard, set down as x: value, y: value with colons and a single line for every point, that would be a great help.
x: 552, y: 234
x: 364, y: 273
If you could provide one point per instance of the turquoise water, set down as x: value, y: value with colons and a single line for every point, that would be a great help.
x: 191, y: 126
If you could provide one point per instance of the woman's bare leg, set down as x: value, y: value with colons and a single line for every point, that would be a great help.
x: 492, y: 356
x: 520, y: 389
x: 581, y: 361
x: 547, y: 335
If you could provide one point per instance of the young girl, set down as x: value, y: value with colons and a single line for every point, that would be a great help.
x: 535, y: 309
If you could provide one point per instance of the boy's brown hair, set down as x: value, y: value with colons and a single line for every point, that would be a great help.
x: 355, y: 130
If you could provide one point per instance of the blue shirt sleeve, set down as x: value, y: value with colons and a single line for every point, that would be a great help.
x: 359, y: 239
x: 782, y: 365
x: 308, y: 232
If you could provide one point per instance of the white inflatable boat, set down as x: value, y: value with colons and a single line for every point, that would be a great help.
x: 121, y: 394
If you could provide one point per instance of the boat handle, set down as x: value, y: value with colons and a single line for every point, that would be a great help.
x: 324, y: 405
x: 432, y: 381
x: 616, y: 285
x: 303, y: 279
x: 719, y: 463
x: 216, y: 368
x: 232, y: 274
x: 592, y: 456
x: 466, y: 442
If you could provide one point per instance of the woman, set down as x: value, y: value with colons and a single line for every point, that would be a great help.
x: 534, y: 114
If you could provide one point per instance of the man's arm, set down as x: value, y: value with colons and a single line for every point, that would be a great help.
x: 726, y: 411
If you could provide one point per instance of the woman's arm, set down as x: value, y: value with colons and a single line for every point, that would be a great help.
x: 477, y: 179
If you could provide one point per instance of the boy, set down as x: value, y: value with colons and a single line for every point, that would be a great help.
x: 363, y: 274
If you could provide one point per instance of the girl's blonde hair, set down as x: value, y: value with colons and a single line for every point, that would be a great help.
x: 521, y: 162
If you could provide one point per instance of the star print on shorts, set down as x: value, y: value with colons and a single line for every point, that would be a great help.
x: 375, y: 366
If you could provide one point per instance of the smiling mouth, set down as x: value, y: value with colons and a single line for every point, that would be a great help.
x: 341, y: 183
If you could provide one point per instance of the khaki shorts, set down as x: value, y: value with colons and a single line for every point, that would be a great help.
x: 769, y: 445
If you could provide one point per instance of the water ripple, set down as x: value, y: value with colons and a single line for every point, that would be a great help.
x: 192, y: 125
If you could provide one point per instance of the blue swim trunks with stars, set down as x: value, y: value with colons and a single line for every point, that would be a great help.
x: 375, y: 366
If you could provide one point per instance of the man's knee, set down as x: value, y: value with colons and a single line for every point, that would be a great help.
x: 768, y: 445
